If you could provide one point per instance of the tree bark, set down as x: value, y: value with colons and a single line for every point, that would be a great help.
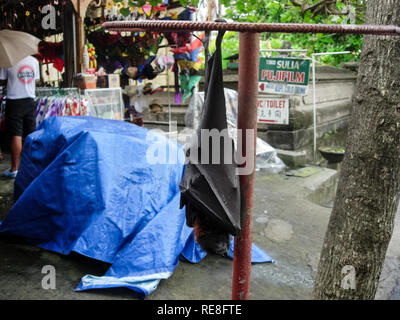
x: 362, y: 219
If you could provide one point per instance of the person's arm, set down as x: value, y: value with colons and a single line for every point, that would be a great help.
x: 37, y: 73
x: 3, y: 77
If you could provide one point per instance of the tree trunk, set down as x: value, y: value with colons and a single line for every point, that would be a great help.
x: 362, y: 219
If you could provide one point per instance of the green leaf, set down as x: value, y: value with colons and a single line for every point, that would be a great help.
x: 271, y: 11
x: 124, y: 11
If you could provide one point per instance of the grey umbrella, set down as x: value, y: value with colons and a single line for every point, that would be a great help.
x: 16, y: 45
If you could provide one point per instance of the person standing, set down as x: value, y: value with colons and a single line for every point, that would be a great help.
x: 20, y: 105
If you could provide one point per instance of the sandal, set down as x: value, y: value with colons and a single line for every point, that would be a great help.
x: 10, y: 174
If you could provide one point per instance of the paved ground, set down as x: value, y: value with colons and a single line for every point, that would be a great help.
x: 286, y: 224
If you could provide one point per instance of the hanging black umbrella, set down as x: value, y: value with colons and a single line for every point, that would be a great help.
x: 211, y: 192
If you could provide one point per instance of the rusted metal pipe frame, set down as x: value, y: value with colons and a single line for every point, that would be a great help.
x: 174, y: 26
x: 249, y: 49
x: 247, y: 104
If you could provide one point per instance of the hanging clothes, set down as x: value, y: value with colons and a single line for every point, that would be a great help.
x: 59, y: 105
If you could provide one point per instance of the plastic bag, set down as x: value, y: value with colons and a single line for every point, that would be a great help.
x: 267, y: 159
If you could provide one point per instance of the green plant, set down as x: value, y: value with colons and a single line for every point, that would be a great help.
x: 305, y: 11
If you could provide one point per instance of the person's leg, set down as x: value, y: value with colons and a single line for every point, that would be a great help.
x: 14, y: 122
x: 16, y: 149
x: 29, y: 118
x: 28, y: 126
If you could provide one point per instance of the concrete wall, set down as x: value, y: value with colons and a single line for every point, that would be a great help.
x: 334, y: 93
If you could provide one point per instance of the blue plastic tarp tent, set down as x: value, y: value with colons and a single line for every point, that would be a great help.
x: 92, y: 186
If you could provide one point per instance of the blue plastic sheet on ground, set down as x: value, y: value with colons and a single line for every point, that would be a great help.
x: 87, y: 185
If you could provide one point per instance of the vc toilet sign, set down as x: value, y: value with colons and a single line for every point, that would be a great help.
x: 273, y: 110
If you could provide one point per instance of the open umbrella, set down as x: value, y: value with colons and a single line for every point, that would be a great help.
x: 16, y: 45
x: 211, y: 192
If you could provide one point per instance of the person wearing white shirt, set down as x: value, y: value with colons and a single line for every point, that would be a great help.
x: 20, y: 105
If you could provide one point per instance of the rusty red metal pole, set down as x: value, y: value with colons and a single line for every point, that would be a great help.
x: 165, y: 26
x: 247, y: 119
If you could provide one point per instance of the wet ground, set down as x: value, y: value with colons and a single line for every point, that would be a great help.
x: 289, y: 223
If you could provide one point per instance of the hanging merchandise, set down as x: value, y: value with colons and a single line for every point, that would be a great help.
x: 91, y: 50
x: 52, y: 102
x: 52, y: 52
x: 134, y: 54
x: 189, y: 64
x: 163, y: 62
x: 176, y: 78
x: 188, y: 79
x: 211, y: 192
x: 144, y: 71
x: 186, y: 59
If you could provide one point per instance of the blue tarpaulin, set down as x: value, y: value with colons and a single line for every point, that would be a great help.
x: 86, y: 185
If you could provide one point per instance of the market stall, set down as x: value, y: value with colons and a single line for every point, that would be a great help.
x: 49, y: 21
x: 132, y: 61
x: 135, y: 65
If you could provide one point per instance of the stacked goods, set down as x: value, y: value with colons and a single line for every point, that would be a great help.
x: 92, y: 56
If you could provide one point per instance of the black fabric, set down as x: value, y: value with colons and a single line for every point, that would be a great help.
x: 68, y: 31
x: 213, y: 190
x: 14, y: 16
x: 20, y: 117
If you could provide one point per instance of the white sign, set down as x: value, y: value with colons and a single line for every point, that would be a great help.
x: 273, y: 110
x: 284, y: 76
x: 278, y: 88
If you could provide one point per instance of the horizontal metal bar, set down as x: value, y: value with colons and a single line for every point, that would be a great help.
x: 161, y: 123
x: 284, y: 50
x: 329, y: 53
x: 174, y: 26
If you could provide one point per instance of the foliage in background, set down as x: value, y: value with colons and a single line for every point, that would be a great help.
x: 301, y: 11
x: 230, y: 46
x: 157, y: 2
x: 295, y: 11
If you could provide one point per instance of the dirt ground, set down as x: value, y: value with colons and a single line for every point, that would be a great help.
x: 286, y: 224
